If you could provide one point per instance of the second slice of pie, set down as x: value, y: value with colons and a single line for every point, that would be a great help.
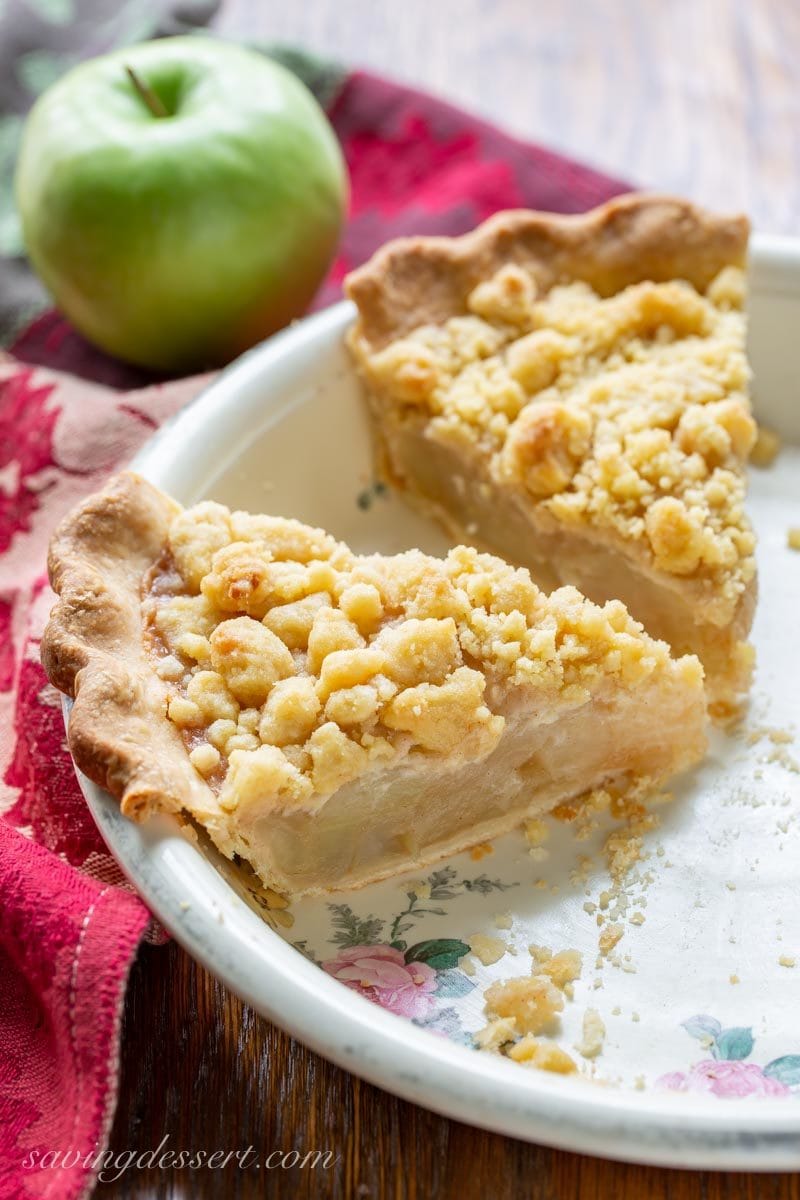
x: 572, y: 393
x: 332, y: 718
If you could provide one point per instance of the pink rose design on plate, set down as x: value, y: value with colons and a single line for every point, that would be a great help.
x: 726, y: 1073
x: 724, y: 1078
x: 382, y: 975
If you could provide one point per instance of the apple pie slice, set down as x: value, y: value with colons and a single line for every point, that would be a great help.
x: 572, y: 393
x: 333, y: 718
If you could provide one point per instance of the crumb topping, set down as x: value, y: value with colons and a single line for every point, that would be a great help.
x: 532, y: 1001
x: 294, y: 666
x: 593, y: 1034
x: 487, y: 949
x: 544, y: 1055
x: 519, y: 1010
x: 766, y: 447
x: 628, y: 413
x: 562, y: 968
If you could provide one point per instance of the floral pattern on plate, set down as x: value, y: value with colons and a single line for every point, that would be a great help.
x: 726, y: 1073
x: 405, y: 945
x: 375, y: 959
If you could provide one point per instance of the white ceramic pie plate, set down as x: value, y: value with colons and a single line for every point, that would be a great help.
x: 282, y: 430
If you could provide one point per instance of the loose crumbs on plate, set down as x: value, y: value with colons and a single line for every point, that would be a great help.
x: 766, y: 447
x: 593, y: 1034
x: 486, y: 949
x: 521, y: 1009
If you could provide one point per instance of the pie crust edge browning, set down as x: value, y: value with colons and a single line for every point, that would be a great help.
x: 420, y: 280
x: 92, y: 650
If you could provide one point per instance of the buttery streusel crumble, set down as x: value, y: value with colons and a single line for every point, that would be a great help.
x: 271, y: 634
x: 333, y: 718
x: 521, y: 1009
x: 589, y: 421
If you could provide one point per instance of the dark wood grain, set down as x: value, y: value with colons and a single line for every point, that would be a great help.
x: 701, y: 97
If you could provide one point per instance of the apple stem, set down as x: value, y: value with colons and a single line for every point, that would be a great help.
x: 147, y: 94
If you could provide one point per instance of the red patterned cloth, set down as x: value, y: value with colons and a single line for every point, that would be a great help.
x: 69, y: 925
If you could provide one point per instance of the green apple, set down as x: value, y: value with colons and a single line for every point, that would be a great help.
x: 181, y: 199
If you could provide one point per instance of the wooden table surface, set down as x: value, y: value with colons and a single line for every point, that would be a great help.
x: 696, y: 96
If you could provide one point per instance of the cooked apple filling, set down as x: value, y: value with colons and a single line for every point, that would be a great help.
x: 295, y: 666
x: 627, y: 413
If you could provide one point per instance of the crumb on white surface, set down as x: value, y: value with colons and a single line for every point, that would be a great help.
x: 593, y: 1034
x: 563, y: 968
x: 536, y: 831
x: 533, y: 1001
x: 496, y: 1033
x: 609, y: 937
x: 544, y: 1055
x: 766, y: 447
x: 486, y: 949
x: 539, y: 953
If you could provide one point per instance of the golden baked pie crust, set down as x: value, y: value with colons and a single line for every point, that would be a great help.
x: 424, y: 280
x: 255, y: 674
x: 589, y: 372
